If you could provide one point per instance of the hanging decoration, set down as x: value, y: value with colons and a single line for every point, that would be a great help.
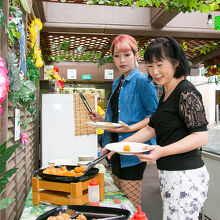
x: 27, y: 5
x: 213, y: 69
x: 34, y: 28
x: 4, y: 82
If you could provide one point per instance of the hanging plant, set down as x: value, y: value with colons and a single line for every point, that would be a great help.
x: 5, y: 154
x: 21, y: 91
x: 35, y: 26
x: 180, y: 5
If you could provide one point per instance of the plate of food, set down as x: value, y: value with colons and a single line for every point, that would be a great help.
x: 127, y: 148
x: 104, y: 125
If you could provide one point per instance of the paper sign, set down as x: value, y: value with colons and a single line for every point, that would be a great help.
x: 17, y: 134
x: 86, y: 77
x: 71, y: 73
x: 109, y: 74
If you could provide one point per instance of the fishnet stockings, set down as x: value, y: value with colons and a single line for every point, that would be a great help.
x: 131, y: 188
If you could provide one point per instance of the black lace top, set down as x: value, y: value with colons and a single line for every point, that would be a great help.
x: 179, y: 115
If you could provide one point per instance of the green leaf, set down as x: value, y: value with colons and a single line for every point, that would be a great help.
x: 7, y: 154
x: 2, y: 167
x: 2, y: 18
x: 3, y: 148
x: 17, y: 35
x: 4, y: 203
x: 3, y: 182
x: 11, y: 37
x: 10, y: 172
x: 12, y: 25
x: 1, y: 4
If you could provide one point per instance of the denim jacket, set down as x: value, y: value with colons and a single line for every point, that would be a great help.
x: 137, y: 101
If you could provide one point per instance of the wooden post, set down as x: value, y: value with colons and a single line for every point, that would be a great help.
x: 4, y: 116
x: 35, y: 189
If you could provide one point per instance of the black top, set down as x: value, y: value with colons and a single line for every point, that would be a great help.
x: 181, y: 114
x: 114, y: 107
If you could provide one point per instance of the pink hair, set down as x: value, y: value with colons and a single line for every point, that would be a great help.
x: 124, y: 42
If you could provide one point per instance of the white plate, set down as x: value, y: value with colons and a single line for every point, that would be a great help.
x: 104, y: 125
x: 118, y: 147
x: 82, y: 162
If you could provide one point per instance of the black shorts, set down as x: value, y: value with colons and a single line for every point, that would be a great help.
x: 127, y: 173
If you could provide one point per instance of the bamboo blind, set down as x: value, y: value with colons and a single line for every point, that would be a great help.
x: 81, y: 114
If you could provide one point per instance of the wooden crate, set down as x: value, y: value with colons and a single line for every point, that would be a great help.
x: 64, y: 193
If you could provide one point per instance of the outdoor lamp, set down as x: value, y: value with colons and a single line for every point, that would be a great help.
x: 209, y: 19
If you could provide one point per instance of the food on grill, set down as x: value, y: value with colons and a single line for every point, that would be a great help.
x: 77, y: 171
x: 81, y: 217
x: 65, y: 216
x: 126, y: 148
x: 62, y: 216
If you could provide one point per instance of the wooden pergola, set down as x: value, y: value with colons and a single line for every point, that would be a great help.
x: 94, y: 27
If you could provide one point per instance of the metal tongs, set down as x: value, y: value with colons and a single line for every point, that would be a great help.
x: 85, y: 103
x: 91, y: 164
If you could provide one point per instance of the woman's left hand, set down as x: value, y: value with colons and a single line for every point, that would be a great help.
x: 123, y: 129
x: 156, y: 152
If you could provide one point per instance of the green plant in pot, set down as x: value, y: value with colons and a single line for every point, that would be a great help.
x: 5, y: 154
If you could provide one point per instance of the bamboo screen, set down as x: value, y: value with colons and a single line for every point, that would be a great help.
x: 81, y: 114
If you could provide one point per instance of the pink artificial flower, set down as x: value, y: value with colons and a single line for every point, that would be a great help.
x: 24, y: 137
x: 1, y: 110
x: 4, y: 80
x: 2, y: 62
x: 3, y: 70
x: 3, y: 93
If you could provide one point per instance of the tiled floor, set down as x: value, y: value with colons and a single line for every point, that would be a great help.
x: 151, y: 200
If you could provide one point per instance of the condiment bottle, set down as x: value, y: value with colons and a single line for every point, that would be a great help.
x: 93, y: 193
x: 139, y: 215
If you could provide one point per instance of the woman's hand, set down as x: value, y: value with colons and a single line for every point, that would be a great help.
x: 95, y: 116
x: 156, y: 152
x: 104, y: 150
x: 123, y: 129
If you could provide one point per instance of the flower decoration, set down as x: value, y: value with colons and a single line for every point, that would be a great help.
x: 4, y: 82
x: 35, y: 26
x: 53, y: 75
x: 213, y: 67
x: 24, y: 137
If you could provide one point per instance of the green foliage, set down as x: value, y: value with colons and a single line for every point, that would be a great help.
x: 171, y: 5
x: 201, y: 49
x: 32, y: 71
x: 25, y: 96
x: 5, y: 154
x: 11, y: 28
x: 13, y: 72
x: 22, y: 92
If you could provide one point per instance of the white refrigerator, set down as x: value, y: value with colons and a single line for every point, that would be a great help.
x: 58, y: 141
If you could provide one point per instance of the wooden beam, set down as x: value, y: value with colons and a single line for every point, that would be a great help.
x: 4, y: 54
x: 205, y: 57
x: 160, y: 17
x: 39, y: 10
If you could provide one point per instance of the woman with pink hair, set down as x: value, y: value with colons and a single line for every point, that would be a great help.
x: 132, y: 102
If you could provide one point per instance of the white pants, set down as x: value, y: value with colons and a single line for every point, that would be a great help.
x: 183, y: 193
